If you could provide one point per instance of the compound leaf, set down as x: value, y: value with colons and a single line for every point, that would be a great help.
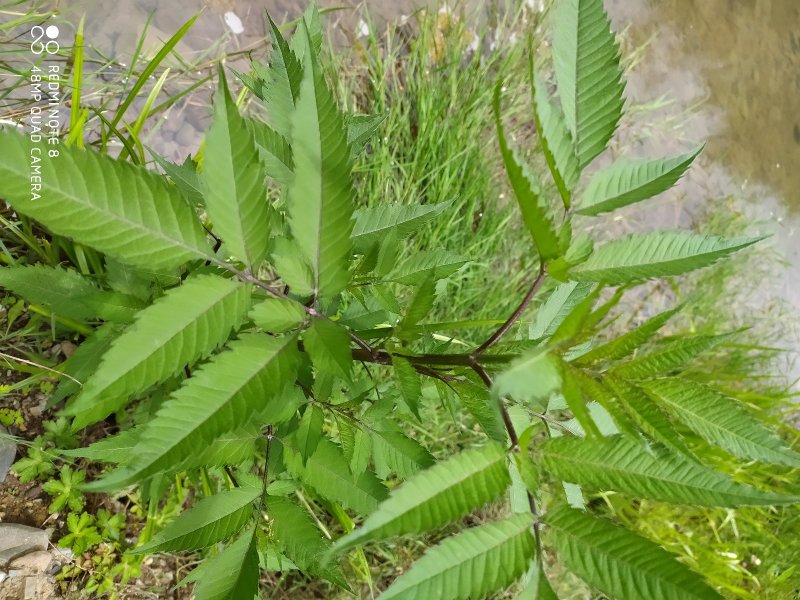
x: 283, y: 82
x: 529, y: 196
x: 300, y: 539
x: 213, y: 519
x: 186, y: 324
x: 328, y: 345
x: 276, y: 314
x: 320, y: 196
x: 219, y: 397
x: 720, y: 420
x: 619, y: 562
x: 669, y: 356
x: 232, y: 574
x: 67, y: 293
x: 398, y: 453
x: 620, y: 464
x: 586, y: 60
x: 629, y: 342
x: 437, y: 496
x: 234, y: 182
x: 655, y: 254
x: 627, y: 182
x: 472, y: 564
x: 555, y: 140
x: 328, y: 473
x: 118, y: 208
x: 374, y: 223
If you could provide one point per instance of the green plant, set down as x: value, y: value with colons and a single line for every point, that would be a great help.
x: 66, y: 490
x: 38, y: 463
x: 82, y: 535
x: 303, y: 337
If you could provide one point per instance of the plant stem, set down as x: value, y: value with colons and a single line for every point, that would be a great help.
x: 265, y: 480
x: 310, y: 310
x: 512, y: 435
x: 503, y: 329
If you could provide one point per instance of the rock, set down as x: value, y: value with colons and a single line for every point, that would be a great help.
x: 31, y: 588
x: 18, y: 540
x: 35, y: 562
x: 8, y: 451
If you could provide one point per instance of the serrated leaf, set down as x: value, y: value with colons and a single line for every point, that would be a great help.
x: 555, y: 140
x: 274, y: 151
x: 292, y: 267
x: 233, y: 573
x: 437, y: 264
x: 188, y: 323
x: 360, y: 129
x: 486, y: 411
x: 668, y: 356
x: 283, y: 82
x: 220, y: 397
x: 309, y: 431
x: 418, y: 308
x: 83, y: 362
x: 629, y: 342
x: 234, y: 182
x: 532, y: 378
x: 184, y: 176
x: 560, y: 303
x: 620, y: 563
x: 436, y: 496
x: 213, y: 519
x: 67, y: 293
x: 648, y: 415
x: 721, y: 420
x: 409, y: 383
x: 313, y: 40
x: 113, y: 449
x: 573, y: 396
x: 604, y: 397
x: 328, y: 473
x: 231, y: 448
x: 627, y: 182
x: 362, y: 452
x: 394, y: 452
x: 590, y: 86
x: 472, y: 564
x: 528, y: 193
x: 300, y: 539
x: 276, y: 314
x: 90, y: 197
x: 328, y: 345
x: 372, y: 224
x: 655, y: 254
x: 536, y: 586
x: 620, y: 464
x: 320, y: 203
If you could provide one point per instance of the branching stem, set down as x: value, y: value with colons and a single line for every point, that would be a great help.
x: 503, y: 329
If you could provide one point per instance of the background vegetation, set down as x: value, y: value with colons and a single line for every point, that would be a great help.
x: 430, y: 78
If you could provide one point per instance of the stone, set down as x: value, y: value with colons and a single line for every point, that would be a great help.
x: 34, y: 562
x: 18, y: 540
x: 8, y: 452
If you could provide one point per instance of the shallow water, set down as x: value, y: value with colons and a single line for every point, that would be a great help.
x: 727, y: 72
